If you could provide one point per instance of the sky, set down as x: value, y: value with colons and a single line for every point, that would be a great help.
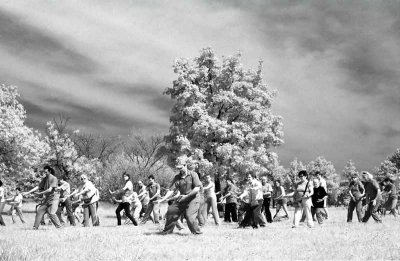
x: 105, y: 65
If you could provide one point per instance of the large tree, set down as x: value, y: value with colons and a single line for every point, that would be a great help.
x: 349, y: 170
x: 222, y: 117
x: 21, y: 148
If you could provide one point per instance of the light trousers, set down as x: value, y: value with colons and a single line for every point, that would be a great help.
x: 305, y: 207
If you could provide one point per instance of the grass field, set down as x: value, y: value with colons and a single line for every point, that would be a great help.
x: 335, y: 240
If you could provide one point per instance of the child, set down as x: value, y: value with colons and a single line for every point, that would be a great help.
x: 16, y: 206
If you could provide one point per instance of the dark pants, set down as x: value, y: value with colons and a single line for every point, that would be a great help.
x: 372, y: 211
x: 127, y: 208
x: 144, y: 209
x: 248, y: 216
x: 70, y: 214
x: 152, y: 207
x: 2, y: 204
x: 319, y: 213
x: 354, y: 205
x: 267, y: 211
x: 230, y: 211
x: 188, y: 209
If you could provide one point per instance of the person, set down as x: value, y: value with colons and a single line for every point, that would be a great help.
x: 144, y: 198
x: 325, y: 186
x: 125, y: 202
x: 48, y: 188
x: 188, y: 203
x: 302, y: 199
x: 2, y: 202
x: 230, y: 197
x: 391, y: 192
x: 65, y: 201
x: 90, y: 199
x: 373, y: 197
x: 154, y: 195
x: 246, y: 210
x: 136, y: 206
x: 200, y: 215
x: 356, y: 192
x: 210, y: 199
x: 256, y: 201
x: 16, y: 206
x: 267, y: 195
x: 318, y: 199
x: 280, y: 200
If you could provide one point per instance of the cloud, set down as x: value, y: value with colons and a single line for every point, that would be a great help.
x: 106, y: 64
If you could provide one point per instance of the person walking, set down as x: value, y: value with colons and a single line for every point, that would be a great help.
x: 256, y: 201
x: 373, y: 197
x: 230, y: 196
x: 144, y: 198
x: 65, y: 201
x: 2, y: 202
x: 391, y: 192
x: 154, y: 195
x: 188, y: 184
x: 302, y: 199
x: 16, y: 206
x: 90, y: 198
x: 210, y: 200
x: 323, y: 184
x: 356, y: 192
x: 318, y: 198
x: 280, y: 200
x: 125, y: 202
x: 47, y: 187
x: 267, y: 195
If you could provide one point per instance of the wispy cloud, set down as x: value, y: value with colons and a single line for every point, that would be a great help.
x: 106, y: 63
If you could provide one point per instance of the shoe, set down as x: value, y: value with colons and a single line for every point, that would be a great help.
x: 198, y: 233
x: 35, y: 228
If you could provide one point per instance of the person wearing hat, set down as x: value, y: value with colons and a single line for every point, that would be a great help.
x: 391, y: 192
x: 356, y: 192
x: 188, y: 184
x: 373, y: 197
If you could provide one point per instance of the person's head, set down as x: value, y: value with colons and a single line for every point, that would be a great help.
x: 387, y: 181
x: 354, y: 176
x: 303, y: 175
x: 277, y: 183
x: 264, y: 180
x: 151, y: 179
x: 316, y: 182
x: 249, y: 177
x: 48, y: 170
x: 83, y: 178
x: 126, y: 176
x: 182, y: 168
x: 64, y: 179
x: 140, y: 183
x: 208, y: 178
x: 366, y: 176
x: 318, y: 174
x: 17, y: 190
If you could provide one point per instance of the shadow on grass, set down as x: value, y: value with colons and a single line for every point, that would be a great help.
x: 160, y: 233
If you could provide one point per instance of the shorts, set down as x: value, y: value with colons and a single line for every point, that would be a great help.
x: 281, y: 201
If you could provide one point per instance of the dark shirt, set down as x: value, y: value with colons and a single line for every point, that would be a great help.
x: 186, y: 184
x: 233, y: 197
x: 49, y: 182
x: 392, y: 188
x: 372, y: 190
x: 319, y: 193
x: 153, y: 190
x: 356, y: 189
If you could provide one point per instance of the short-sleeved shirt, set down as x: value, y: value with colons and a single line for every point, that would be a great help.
x: 256, y: 192
x: 2, y: 195
x: 392, y: 188
x: 232, y: 198
x: 65, y: 190
x: 319, y: 193
x: 301, y: 189
x: 372, y: 190
x: 279, y: 191
x: 92, y: 190
x: 135, y: 199
x: 267, y: 188
x: 128, y: 188
x: 356, y: 189
x: 186, y: 184
x: 153, y: 190
x: 210, y: 192
x: 145, y: 199
x: 50, y: 182
x: 18, y: 200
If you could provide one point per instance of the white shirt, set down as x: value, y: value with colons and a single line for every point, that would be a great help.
x: 18, y: 198
x: 2, y: 195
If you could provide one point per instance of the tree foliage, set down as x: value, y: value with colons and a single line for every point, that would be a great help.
x: 222, y: 116
x: 327, y: 170
x: 349, y: 170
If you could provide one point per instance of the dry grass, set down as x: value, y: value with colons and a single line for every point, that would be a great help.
x: 335, y: 240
